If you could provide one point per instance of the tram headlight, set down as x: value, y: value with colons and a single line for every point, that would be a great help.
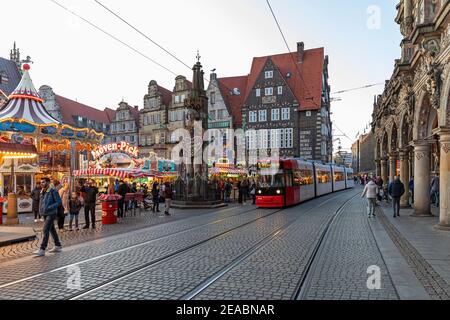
x: 278, y: 191
x: 259, y: 191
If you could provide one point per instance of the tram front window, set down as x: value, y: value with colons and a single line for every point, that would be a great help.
x: 271, y: 181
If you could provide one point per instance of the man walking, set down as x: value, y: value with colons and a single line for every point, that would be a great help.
x: 396, y: 191
x: 370, y: 192
x: 48, y: 208
x: 90, y: 202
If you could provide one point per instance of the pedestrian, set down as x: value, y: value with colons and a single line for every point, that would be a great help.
x: 370, y: 192
x: 396, y: 191
x: 155, y: 196
x: 122, y: 191
x: 90, y: 202
x: 64, y: 194
x: 240, y: 189
x: 434, y: 190
x: 48, y: 208
x: 57, y: 185
x: 253, y: 192
x: 168, y: 194
x: 227, y: 189
x: 75, y: 205
x: 35, y: 196
x: 411, y: 189
x: 245, y: 190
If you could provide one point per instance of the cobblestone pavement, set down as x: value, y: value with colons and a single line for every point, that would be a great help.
x: 177, y: 276
x: 432, y: 281
x: 340, y: 271
x: 123, y: 255
x: 274, y: 271
x: 132, y: 223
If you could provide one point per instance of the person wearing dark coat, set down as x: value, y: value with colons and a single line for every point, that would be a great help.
x: 35, y: 196
x: 396, y: 191
x: 90, y: 200
x: 155, y: 196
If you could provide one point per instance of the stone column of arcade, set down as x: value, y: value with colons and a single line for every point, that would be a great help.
x: 422, y: 150
x: 378, y: 168
x: 444, y: 217
x: 384, y: 173
x: 392, y: 166
x: 404, y: 176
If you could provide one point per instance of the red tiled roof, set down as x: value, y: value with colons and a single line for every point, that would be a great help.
x: 311, y: 70
x: 70, y: 108
x: 234, y: 102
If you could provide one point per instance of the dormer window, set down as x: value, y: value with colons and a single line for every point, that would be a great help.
x: 269, y: 74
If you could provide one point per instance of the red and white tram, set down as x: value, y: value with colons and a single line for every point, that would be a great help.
x: 292, y: 181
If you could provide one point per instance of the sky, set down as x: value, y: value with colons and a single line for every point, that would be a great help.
x: 80, y: 62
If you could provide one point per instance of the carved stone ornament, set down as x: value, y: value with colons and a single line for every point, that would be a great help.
x: 406, y: 26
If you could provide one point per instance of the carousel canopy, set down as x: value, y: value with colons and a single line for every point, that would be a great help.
x: 25, y: 105
x: 17, y: 150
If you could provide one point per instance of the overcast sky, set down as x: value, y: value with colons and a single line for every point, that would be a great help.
x: 79, y: 62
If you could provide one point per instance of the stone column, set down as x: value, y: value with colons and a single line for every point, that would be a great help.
x: 404, y: 177
x: 378, y: 167
x: 384, y: 174
x: 444, y: 190
x: 422, y: 179
x: 392, y: 167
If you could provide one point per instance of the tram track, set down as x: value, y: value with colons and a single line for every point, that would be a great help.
x: 216, y: 276
x: 65, y: 267
x: 306, y: 277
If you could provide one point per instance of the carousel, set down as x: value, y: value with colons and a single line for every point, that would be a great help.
x: 24, y: 121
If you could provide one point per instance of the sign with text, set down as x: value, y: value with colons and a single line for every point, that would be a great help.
x: 119, y: 147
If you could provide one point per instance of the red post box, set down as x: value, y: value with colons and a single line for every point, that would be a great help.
x: 109, y: 209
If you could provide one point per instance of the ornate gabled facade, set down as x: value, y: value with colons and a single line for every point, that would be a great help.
x: 411, y: 118
x: 153, y: 133
x: 287, y: 105
x: 125, y: 124
x: 177, y: 110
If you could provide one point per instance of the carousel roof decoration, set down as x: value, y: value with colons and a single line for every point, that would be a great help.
x: 25, y: 105
x: 25, y: 112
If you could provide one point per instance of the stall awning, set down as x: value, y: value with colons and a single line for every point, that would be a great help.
x: 122, y: 173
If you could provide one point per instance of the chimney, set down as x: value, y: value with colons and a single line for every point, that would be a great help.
x: 213, y: 76
x: 300, y: 51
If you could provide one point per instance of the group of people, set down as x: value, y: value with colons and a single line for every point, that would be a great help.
x: 246, y: 190
x: 157, y: 192
x: 375, y: 189
x: 71, y: 204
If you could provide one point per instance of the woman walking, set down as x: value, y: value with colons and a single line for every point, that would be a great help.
x: 64, y: 194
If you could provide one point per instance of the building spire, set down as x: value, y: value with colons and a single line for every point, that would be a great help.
x: 198, y: 84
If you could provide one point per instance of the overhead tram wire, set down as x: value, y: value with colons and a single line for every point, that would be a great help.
x: 292, y: 57
x: 359, y: 88
x: 153, y: 41
x: 113, y: 37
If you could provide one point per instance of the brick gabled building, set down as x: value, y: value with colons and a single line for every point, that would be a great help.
x: 287, y: 103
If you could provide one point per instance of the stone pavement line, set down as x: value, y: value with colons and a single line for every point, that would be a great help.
x: 405, y: 281
x: 348, y: 250
x: 436, y: 287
